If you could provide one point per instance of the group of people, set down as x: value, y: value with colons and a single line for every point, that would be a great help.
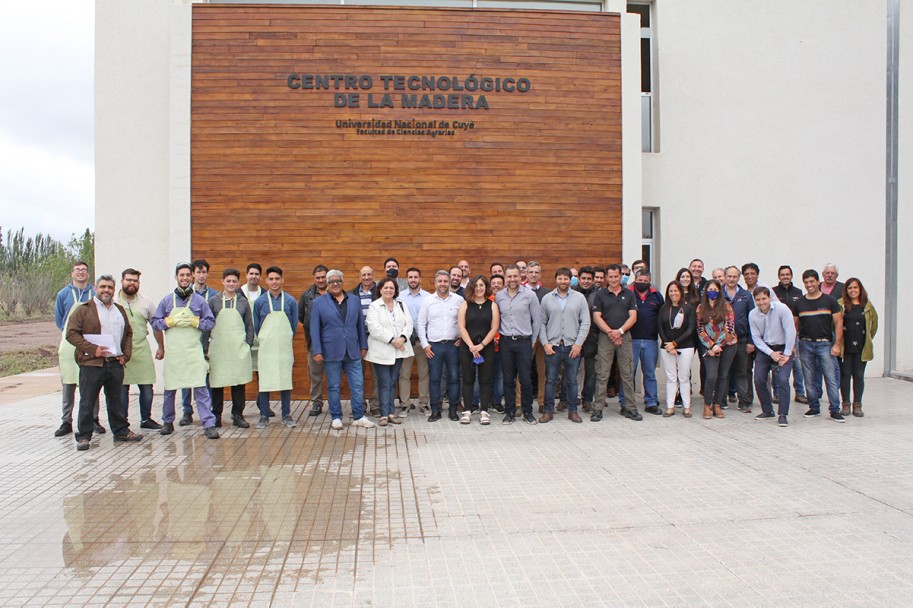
x: 476, y: 341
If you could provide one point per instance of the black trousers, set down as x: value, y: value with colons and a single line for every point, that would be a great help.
x: 852, y: 367
x: 516, y: 361
x: 717, y: 383
x: 237, y: 400
x: 92, y: 379
x: 468, y: 375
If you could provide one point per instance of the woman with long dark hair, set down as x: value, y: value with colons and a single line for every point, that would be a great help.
x: 716, y: 328
x: 389, y: 328
x: 478, y: 320
x: 860, y: 324
x: 677, y: 328
x: 691, y: 295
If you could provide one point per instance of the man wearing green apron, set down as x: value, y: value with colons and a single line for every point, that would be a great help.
x: 140, y: 369
x: 200, y: 270
x: 275, y: 321
x: 230, y: 342
x: 183, y: 315
x: 67, y: 298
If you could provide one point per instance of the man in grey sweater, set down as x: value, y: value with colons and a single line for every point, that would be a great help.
x: 564, y: 328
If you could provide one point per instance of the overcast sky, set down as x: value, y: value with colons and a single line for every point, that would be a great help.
x: 47, y: 174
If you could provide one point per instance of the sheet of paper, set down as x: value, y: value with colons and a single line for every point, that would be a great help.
x: 104, y: 340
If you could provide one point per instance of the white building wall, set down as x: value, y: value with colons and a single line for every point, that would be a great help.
x: 142, y: 138
x: 905, y: 193
x: 772, y: 145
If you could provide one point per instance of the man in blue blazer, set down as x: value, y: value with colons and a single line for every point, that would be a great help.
x: 339, y: 342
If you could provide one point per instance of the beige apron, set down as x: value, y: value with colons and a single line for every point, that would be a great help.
x: 185, y: 366
x: 66, y: 352
x: 276, y: 355
x: 229, y: 353
x: 139, y: 369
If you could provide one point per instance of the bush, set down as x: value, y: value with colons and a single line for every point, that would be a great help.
x: 33, y: 269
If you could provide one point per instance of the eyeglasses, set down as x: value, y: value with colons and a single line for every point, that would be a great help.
x: 334, y: 282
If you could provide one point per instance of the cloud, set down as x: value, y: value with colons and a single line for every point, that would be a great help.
x: 46, y: 116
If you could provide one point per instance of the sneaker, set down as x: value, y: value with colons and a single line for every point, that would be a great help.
x: 82, y: 445
x: 765, y: 416
x: 801, y: 399
x: 631, y: 413
x: 782, y: 421
x: 529, y: 418
x: 186, y: 420
x: 128, y: 436
x: 167, y: 429
x: 466, y: 417
x: 653, y: 409
x: 287, y: 421
x: 271, y: 413
x: 811, y: 413
x: 99, y: 429
x: 733, y: 398
x: 484, y: 418
x: 65, y: 429
x: 508, y: 419
x: 150, y: 424
x: 724, y: 405
x: 364, y: 422
x: 316, y: 409
x: 337, y: 424
x: 498, y: 407
x: 211, y: 432
x: 596, y: 416
x: 587, y: 407
x: 261, y: 424
x: 745, y: 408
x: 837, y: 417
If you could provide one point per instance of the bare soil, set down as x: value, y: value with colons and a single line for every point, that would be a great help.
x: 29, y: 335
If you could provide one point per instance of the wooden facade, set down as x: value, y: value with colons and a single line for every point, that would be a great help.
x: 276, y: 179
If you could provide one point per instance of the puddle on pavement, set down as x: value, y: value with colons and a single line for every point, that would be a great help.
x: 312, y: 494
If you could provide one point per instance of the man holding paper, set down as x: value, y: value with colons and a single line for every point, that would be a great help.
x: 103, y: 338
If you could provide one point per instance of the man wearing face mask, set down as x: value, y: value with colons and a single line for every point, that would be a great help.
x: 391, y: 269
x: 625, y: 275
x: 644, y: 336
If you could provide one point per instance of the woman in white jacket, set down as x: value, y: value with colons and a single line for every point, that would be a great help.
x: 389, y: 328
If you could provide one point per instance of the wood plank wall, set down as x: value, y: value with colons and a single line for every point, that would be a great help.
x: 274, y: 180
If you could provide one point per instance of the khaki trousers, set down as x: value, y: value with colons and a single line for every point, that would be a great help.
x: 625, y: 357
x: 405, y: 376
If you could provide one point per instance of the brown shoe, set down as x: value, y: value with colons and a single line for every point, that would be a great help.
x: 687, y: 413
x: 574, y: 417
x: 857, y: 410
x: 708, y: 412
x: 845, y: 410
x: 669, y: 413
x: 562, y: 406
x: 718, y: 411
x: 128, y: 436
x: 612, y: 393
x: 546, y: 417
x: 588, y: 407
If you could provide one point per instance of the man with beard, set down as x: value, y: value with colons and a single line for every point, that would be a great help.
x: 520, y: 321
x: 101, y: 366
x: 412, y: 298
x: 183, y: 315
x: 315, y: 370
x: 140, y: 369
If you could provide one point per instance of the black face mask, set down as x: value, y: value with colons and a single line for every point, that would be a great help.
x: 393, y: 273
x: 183, y: 292
x: 641, y: 287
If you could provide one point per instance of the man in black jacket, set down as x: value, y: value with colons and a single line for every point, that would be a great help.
x: 315, y: 369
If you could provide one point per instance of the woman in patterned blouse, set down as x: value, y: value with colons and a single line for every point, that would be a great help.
x: 716, y: 330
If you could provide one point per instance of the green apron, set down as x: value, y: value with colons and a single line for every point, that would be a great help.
x: 276, y: 356
x: 66, y: 352
x: 255, y: 349
x: 229, y: 353
x: 185, y: 366
x: 139, y: 369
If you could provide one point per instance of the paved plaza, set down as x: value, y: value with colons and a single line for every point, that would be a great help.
x: 664, y: 512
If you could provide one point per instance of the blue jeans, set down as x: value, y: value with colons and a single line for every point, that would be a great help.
x: 352, y: 369
x: 817, y: 360
x: 284, y: 396
x: 497, y: 380
x: 646, y: 352
x: 762, y: 366
x: 145, y: 401
x: 446, y: 356
x: 386, y: 377
x: 553, y: 365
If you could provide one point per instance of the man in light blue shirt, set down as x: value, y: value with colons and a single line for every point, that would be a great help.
x: 412, y: 297
x: 773, y: 332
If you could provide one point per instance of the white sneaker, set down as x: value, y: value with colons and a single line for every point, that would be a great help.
x: 484, y: 418
x: 337, y: 424
x: 364, y: 422
x: 466, y: 417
